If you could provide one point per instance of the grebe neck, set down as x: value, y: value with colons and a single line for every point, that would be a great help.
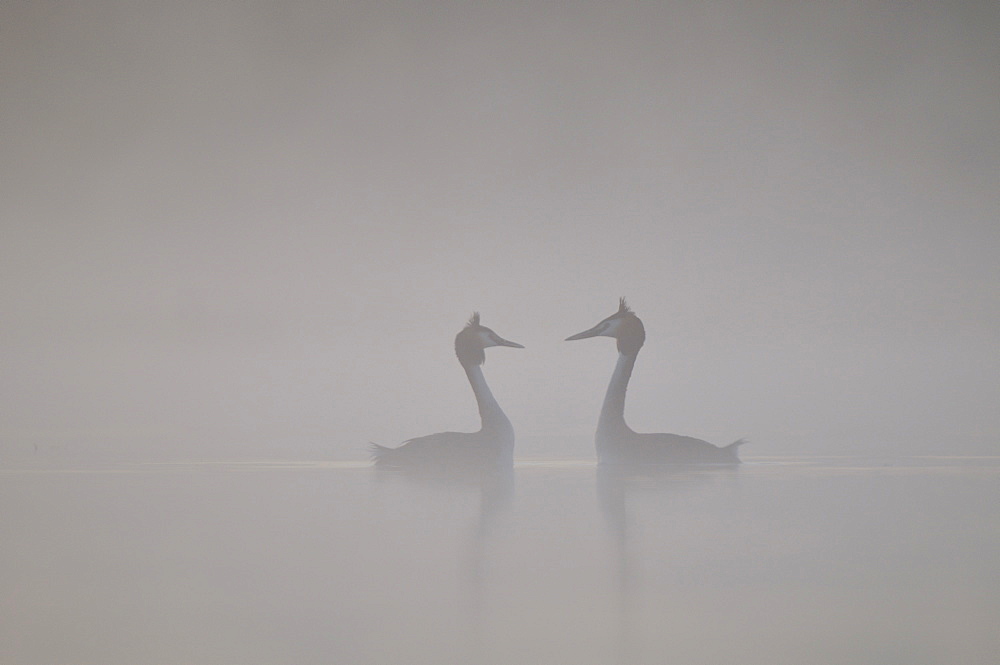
x: 612, y: 420
x: 492, y: 416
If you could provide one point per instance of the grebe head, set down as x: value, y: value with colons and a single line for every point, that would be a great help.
x: 623, y: 325
x: 471, y: 341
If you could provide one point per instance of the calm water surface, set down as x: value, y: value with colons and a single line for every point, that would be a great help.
x: 805, y: 560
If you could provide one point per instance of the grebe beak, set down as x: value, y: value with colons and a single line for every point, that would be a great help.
x: 593, y: 332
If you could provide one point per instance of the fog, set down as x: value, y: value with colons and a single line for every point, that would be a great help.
x: 255, y: 228
x: 238, y: 240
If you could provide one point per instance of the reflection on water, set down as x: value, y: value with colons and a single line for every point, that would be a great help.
x: 615, y: 485
x: 495, y: 487
x: 819, y: 560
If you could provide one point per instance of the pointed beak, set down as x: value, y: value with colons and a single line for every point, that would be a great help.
x: 593, y: 332
x: 507, y: 342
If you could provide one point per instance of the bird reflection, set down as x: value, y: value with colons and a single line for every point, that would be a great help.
x: 611, y: 483
x: 496, y: 492
x: 491, y: 446
x: 616, y: 442
x: 496, y: 496
x: 616, y: 484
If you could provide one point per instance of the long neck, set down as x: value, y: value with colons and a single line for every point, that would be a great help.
x: 489, y: 411
x: 612, y: 418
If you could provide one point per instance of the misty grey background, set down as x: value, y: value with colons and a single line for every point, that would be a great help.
x: 254, y: 228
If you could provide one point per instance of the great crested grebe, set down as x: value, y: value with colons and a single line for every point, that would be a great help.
x: 491, y: 446
x: 615, y: 440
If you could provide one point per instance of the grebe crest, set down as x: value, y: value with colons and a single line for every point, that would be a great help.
x: 623, y: 325
x: 472, y: 341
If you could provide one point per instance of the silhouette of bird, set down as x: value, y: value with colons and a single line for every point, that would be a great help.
x: 616, y: 442
x: 491, y: 446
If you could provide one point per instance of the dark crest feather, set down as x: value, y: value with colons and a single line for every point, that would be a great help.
x: 623, y: 306
x: 467, y: 349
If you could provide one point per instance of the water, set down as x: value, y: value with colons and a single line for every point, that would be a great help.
x: 809, y: 560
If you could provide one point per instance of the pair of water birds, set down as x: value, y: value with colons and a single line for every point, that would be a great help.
x: 493, y: 444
